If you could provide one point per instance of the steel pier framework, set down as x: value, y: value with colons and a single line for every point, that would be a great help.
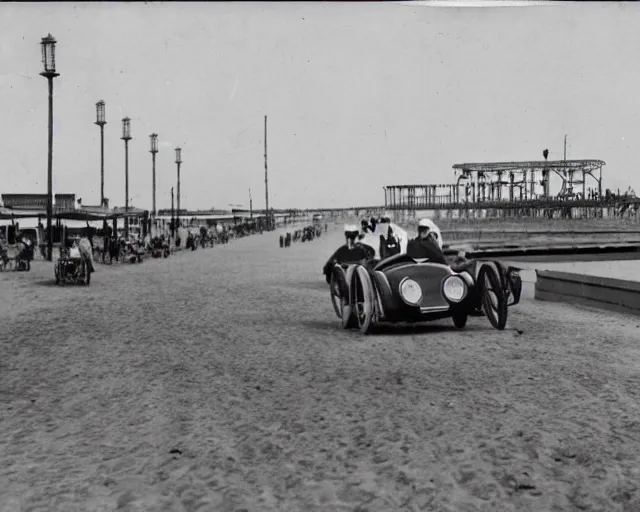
x: 504, y: 185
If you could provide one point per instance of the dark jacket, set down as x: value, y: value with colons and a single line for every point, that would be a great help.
x: 429, y: 248
x: 344, y: 254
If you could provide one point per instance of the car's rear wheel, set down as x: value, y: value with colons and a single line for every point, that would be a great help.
x: 363, y: 300
x: 339, y: 290
x: 492, y: 296
x: 349, y: 320
x: 460, y: 320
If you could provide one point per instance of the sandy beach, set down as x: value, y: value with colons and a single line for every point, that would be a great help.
x: 220, y: 380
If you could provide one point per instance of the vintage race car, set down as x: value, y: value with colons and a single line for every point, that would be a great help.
x: 403, y: 289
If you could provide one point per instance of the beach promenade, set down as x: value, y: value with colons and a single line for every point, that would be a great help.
x: 220, y: 380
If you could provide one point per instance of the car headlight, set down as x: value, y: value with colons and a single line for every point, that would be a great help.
x: 410, y: 292
x: 455, y: 289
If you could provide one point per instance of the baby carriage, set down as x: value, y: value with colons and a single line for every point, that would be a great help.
x: 159, y: 248
x: 75, y: 265
x: 131, y: 252
x: 20, y: 255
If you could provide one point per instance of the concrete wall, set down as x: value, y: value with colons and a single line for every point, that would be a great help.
x: 602, y: 292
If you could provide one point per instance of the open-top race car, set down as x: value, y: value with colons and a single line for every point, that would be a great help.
x: 403, y: 289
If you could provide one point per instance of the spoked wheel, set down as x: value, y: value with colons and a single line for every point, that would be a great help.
x: 339, y: 290
x: 494, y: 300
x: 362, y: 300
x: 460, y: 320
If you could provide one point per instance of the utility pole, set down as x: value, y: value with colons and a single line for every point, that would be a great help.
x: 266, y: 177
x: 565, y: 167
x: 250, y: 205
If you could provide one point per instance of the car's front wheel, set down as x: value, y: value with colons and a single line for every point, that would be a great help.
x: 492, y: 295
x: 363, y: 300
x: 339, y: 290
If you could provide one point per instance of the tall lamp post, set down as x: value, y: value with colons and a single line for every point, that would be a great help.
x: 173, y: 220
x: 100, y: 121
x: 153, y: 151
x: 49, y: 63
x: 126, y: 137
x: 178, y: 162
x: 266, y: 179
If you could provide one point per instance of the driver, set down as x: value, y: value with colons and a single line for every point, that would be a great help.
x: 352, y: 251
x: 428, y: 243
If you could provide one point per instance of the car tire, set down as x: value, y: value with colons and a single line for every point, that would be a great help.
x: 490, y: 287
x: 460, y: 320
x: 338, y: 290
x: 363, y: 300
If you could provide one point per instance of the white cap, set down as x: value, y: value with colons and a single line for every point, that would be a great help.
x: 426, y: 223
x: 350, y: 227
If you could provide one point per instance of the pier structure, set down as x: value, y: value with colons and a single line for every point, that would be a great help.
x: 552, y: 189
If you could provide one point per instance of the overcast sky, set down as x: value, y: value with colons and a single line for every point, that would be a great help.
x: 358, y: 96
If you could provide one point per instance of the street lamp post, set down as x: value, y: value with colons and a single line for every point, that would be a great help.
x: 126, y: 137
x: 153, y: 151
x: 173, y: 221
x: 266, y: 179
x: 100, y: 121
x: 49, y: 63
x: 178, y: 162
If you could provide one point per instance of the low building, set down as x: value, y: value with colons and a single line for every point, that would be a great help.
x: 36, y: 202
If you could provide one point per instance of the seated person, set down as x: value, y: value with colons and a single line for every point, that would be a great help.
x: 426, y: 245
x: 351, y: 252
x: 389, y: 245
x: 385, y: 218
x: 74, y: 252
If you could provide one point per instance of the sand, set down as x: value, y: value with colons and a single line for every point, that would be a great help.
x: 220, y: 380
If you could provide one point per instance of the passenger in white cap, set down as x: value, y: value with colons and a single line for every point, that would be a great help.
x: 428, y: 243
x: 428, y: 228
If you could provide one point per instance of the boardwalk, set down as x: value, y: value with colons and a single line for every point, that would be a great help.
x: 219, y: 380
